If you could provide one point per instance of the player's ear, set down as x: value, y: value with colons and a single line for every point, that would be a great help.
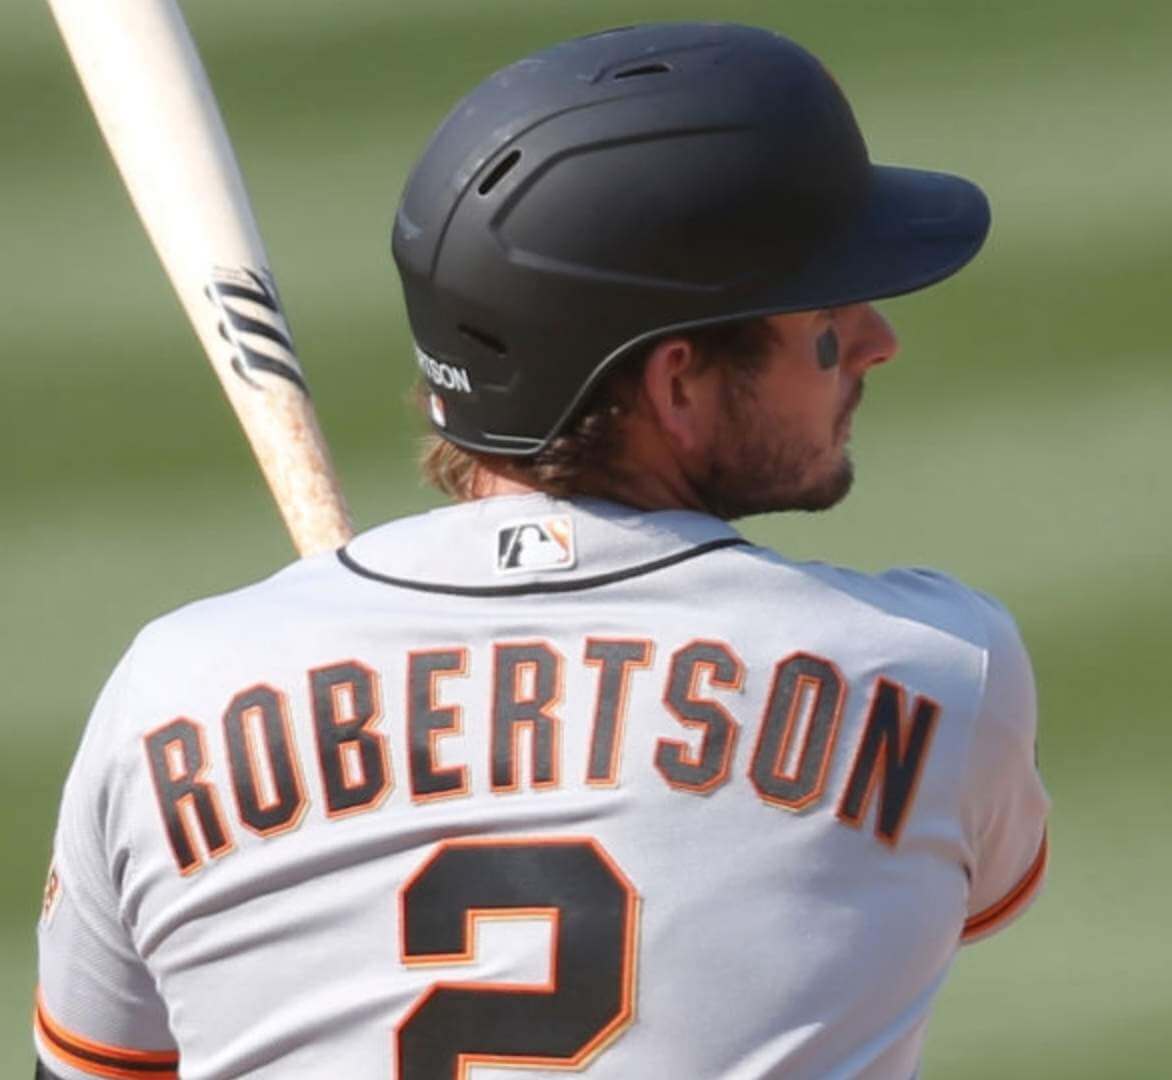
x: 680, y: 393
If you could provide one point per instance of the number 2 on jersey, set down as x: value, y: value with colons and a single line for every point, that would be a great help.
x: 589, y: 998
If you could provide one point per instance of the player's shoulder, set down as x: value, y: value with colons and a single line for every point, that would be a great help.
x: 909, y: 593
x: 969, y: 616
x: 321, y: 591
x: 292, y: 595
x: 967, y: 629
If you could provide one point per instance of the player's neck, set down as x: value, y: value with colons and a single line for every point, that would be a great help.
x: 487, y: 484
x: 642, y: 490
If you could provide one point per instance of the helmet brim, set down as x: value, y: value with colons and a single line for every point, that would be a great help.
x: 915, y: 228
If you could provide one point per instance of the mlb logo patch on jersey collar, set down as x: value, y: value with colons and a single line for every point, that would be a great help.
x: 545, y: 543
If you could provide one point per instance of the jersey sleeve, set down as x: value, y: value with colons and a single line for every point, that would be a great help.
x: 97, y: 1011
x: 1005, y: 802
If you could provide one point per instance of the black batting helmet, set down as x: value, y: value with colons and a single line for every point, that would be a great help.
x: 636, y: 182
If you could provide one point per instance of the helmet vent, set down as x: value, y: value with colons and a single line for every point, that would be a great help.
x: 499, y: 171
x: 483, y: 339
x: 642, y: 69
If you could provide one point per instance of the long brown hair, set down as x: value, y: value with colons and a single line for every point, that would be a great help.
x: 592, y: 442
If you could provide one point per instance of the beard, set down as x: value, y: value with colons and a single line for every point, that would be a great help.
x: 759, y: 468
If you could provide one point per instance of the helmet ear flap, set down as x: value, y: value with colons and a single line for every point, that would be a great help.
x: 637, y: 182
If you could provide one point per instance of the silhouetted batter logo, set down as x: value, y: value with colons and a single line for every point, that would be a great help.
x: 538, y: 544
x: 251, y: 322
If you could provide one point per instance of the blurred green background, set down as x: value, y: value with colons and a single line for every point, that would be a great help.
x: 1020, y: 442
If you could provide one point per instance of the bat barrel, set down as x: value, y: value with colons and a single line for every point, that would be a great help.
x: 154, y: 104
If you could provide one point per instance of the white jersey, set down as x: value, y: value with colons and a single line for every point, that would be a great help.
x: 523, y: 786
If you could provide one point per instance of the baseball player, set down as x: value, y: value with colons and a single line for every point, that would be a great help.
x: 569, y: 777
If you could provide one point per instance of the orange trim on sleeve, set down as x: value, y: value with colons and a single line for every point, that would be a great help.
x: 102, y: 1059
x: 1002, y: 912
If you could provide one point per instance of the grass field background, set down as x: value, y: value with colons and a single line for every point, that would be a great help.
x: 1021, y: 441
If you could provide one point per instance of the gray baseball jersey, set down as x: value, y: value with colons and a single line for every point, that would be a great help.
x: 523, y: 786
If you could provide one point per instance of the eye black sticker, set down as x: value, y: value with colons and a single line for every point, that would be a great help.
x: 827, y: 349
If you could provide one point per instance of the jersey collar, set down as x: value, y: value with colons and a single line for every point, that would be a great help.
x: 516, y: 544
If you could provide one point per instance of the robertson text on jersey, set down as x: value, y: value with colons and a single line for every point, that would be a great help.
x: 793, y: 739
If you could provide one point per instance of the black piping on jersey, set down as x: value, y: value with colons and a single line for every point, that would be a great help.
x: 528, y: 588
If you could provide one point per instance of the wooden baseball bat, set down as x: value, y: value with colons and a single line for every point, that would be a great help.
x: 155, y: 106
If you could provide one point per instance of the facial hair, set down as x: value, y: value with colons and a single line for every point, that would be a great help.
x: 760, y: 468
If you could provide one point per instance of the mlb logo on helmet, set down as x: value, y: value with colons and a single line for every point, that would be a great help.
x: 537, y: 544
